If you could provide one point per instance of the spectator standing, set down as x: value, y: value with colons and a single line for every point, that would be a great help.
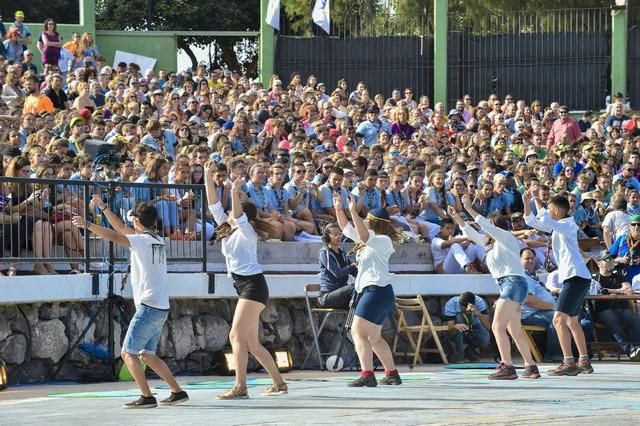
x: 51, y: 43
x: 563, y: 129
x: 13, y: 48
x: 24, y: 32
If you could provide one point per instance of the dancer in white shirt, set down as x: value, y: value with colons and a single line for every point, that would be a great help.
x: 572, y: 271
x: 374, y: 244
x: 239, y: 235
x: 503, y: 261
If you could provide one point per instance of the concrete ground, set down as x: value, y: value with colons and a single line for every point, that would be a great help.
x: 430, y: 395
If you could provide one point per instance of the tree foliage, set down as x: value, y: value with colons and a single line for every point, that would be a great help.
x: 185, y: 15
x: 61, y: 11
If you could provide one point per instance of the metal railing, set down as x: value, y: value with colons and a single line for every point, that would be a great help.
x: 36, y: 227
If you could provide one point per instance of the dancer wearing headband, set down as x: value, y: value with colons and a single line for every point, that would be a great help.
x: 239, y: 235
x: 503, y: 261
x: 374, y: 245
x: 149, y: 285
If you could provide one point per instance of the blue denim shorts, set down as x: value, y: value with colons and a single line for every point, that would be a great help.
x: 513, y: 288
x: 145, y: 330
x: 375, y: 303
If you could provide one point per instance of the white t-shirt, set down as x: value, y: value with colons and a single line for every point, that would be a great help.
x: 618, y: 222
x: 437, y: 252
x: 373, y: 259
x: 149, y: 271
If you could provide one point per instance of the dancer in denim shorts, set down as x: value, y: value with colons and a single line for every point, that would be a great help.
x: 149, y: 284
x: 503, y: 261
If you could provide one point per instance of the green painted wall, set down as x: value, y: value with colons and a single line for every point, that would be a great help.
x: 157, y: 44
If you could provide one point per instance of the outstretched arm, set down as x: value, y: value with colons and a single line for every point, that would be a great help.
x: 113, y: 218
x: 358, y: 223
x: 106, y: 233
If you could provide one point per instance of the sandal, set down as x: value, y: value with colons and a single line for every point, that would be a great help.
x: 234, y: 393
x: 12, y: 272
x: 50, y: 269
x: 74, y: 271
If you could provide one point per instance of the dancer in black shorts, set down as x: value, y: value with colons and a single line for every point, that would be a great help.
x: 239, y: 235
x: 373, y: 283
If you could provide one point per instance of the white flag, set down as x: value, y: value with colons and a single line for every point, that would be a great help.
x: 320, y: 15
x: 273, y: 14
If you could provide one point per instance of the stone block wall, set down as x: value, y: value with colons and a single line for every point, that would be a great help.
x: 35, y: 337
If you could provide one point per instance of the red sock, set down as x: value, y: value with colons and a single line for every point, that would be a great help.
x: 390, y: 372
x: 366, y: 373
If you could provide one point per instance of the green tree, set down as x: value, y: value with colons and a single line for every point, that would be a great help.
x: 187, y: 15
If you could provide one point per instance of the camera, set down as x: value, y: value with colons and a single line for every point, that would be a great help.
x: 604, y: 291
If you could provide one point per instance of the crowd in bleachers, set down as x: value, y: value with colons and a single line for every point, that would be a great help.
x: 297, y: 141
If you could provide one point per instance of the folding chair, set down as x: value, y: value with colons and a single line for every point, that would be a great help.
x: 312, y: 291
x: 528, y: 331
x: 404, y: 306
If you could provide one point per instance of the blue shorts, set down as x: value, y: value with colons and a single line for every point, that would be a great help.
x: 513, y: 288
x: 145, y: 330
x: 572, y: 295
x: 375, y: 303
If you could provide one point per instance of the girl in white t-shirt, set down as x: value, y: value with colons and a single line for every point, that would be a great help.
x: 374, y: 243
x: 239, y: 235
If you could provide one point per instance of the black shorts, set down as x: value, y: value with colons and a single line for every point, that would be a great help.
x: 251, y: 287
x: 572, y: 295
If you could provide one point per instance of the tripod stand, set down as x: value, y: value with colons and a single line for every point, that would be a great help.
x: 112, y: 302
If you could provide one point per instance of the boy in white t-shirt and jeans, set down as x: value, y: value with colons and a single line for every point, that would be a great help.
x: 149, y: 283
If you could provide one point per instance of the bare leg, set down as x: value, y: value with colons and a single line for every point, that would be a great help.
x: 137, y: 371
x: 578, y: 335
x: 360, y: 333
x: 502, y: 316
x: 515, y: 330
x: 244, y: 337
x: 161, y: 369
x: 560, y: 323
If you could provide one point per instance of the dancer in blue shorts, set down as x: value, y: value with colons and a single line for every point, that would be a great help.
x: 374, y: 244
x: 503, y: 261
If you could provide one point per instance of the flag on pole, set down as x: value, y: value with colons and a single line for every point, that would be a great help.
x: 321, y: 16
x: 273, y: 14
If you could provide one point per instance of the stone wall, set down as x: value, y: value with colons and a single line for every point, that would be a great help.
x: 35, y: 337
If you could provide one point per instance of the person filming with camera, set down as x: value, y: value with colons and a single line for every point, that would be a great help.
x: 626, y: 249
x: 469, y: 324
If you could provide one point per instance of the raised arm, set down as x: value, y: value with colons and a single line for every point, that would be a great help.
x: 106, y: 233
x: 212, y: 194
x: 358, y: 223
x: 236, y: 202
x: 113, y: 218
x: 343, y: 222
x: 500, y: 235
x: 529, y: 218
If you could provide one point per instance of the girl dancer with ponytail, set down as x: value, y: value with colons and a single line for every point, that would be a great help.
x: 239, y: 235
x: 374, y: 243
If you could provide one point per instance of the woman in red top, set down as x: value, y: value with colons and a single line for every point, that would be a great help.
x: 50, y: 43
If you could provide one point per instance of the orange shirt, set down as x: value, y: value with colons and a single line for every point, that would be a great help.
x: 38, y: 104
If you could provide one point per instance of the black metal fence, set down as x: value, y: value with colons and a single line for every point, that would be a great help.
x: 558, y: 55
x: 36, y: 227
x: 561, y: 55
x: 633, y: 57
x: 396, y: 52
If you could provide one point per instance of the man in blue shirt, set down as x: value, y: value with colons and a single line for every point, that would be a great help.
x: 468, y: 321
x: 370, y: 128
x: 626, y: 248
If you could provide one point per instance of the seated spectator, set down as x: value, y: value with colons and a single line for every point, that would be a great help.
x: 368, y: 196
x: 322, y: 207
x: 587, y: 218
x: 335, y: 270
x: 454, y: 255
x: 300, y: 193
x: 538, y: 308
x: 625, y: 249
x: 468, y: 320
x: 620, y: 319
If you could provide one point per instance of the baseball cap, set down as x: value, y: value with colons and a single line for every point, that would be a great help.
x: 604, y: 255
x: 19, y: 14
x: 75, y: 121
x: 635, y: 218
x: 453, y: 112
